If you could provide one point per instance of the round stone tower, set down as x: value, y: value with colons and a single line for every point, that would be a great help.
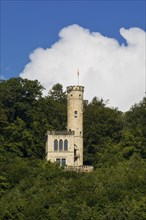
x: 75, y: 120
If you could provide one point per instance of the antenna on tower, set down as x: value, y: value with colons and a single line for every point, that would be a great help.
x: 78, y: 75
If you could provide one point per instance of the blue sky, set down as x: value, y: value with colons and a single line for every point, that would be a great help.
x: 27, y: 25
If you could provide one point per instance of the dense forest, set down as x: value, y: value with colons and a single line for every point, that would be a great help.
x: 114, y: 143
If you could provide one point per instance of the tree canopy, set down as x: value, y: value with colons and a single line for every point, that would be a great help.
x: 114, y: 143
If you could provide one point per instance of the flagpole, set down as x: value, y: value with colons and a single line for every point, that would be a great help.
x: 78, y: 76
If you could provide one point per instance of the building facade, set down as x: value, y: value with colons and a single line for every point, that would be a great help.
x: 66, y: 147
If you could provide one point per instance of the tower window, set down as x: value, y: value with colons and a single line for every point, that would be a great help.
x: 55, y: 145
x: 75, y: 114
x: 65, y: 145
x: 60, y: 145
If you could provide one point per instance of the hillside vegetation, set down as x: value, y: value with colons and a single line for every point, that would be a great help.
x: 114, y: 143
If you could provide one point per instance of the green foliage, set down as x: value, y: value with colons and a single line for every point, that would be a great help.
x: 114, y: 142
x: 26, y: 116
x: 39, y: 190
x: 102, y: 129
x: 135, y: 123
x: 57, y: 93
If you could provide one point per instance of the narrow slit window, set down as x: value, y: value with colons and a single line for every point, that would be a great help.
x: 75, y: 114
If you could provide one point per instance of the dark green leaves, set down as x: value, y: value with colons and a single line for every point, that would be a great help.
x: 114, y: 142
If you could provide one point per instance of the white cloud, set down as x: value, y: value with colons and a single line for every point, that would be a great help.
x: 108, y: 70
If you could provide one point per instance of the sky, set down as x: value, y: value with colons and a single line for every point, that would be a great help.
x: 51, y: 40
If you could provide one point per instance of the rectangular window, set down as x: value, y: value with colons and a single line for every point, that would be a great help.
x: 58, y: 161
x: 63, y: 161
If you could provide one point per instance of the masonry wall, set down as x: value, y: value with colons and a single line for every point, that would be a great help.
x: 53, y: 155
x: 75, y: 118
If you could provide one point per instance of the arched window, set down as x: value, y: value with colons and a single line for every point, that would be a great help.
x: 55, y: 145
x: 66, y: 145
x: 60, y: 145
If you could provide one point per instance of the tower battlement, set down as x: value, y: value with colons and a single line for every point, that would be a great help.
x: 75, y: 88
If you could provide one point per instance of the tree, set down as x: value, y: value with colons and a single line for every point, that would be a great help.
x: 17, y: 95
x: 135, y: 126
x: 32, y: 188
x: 102, y: 128
x: 57, y: 93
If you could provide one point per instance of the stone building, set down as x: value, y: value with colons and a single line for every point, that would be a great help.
x: 66, y: 147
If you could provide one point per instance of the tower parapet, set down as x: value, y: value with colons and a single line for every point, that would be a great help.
x: 75, y: 88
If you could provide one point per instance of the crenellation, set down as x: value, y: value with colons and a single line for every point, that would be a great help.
x: 75, y: 88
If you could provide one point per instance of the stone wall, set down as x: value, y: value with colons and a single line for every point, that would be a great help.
x: 52, y: 155
x: 75, y: 118
x: 85, y: 168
